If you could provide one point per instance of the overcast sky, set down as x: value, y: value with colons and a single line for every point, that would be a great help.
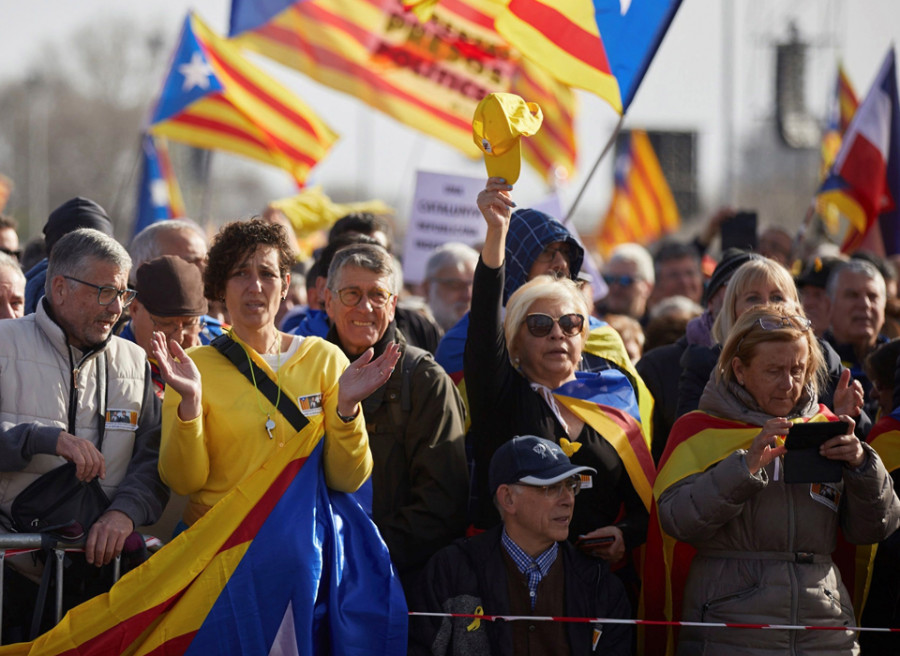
x: 683, y: 89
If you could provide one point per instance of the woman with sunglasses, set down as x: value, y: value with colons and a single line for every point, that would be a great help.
x: 521, y: 380
x: 218, y: 427
x: 763, y: 545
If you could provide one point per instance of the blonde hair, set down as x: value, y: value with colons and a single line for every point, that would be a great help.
x: 749, y: 274
x: 561, y: 290
x: 748, y: 333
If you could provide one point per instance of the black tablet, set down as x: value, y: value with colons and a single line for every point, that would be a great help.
x: 802, y: 462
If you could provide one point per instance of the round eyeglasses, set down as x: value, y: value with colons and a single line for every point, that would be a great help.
x: 351, y: 296
x: 540, y: 325
x: 106, y: 294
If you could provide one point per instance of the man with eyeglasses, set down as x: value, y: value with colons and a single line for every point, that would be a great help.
x: 522, y: 567
x: 169, y: 299
x: 9, y: 237
x: 629, y: 275
x: 419, y: 487
x: 72, y: 392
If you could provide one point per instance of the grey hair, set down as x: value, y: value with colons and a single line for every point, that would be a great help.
x: 449, y: 254
x: 855, y: 266
x: 365, y: 256
x: 11, y: 263
x: 145, y: 244
x: 637, y: 255
x: 71, y: 253
x: 676, y: 305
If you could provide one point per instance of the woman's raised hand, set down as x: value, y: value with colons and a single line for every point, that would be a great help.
x: 496, y: 206
x: 848, y: 396
x: 179, y: 372
x: 364, y: 376
x: 764, y: 449
x: 845, y: 447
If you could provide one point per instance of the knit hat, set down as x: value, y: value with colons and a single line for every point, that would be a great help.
x: 731, y: 261
x: 531, y: 460
x: 171, y: 287
x: 74, y: 214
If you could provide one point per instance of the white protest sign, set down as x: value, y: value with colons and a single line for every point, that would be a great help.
x: 444, y: 209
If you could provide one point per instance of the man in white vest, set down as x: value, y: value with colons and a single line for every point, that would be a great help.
x: 71, y: 391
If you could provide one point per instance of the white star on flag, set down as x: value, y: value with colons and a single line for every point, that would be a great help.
x: 196, y: 73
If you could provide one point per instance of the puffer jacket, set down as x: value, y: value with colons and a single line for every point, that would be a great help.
x: 764, y: 547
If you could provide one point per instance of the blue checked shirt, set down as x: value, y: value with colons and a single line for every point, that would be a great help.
x: 534, y: 568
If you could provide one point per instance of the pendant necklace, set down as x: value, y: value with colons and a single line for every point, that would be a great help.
x: 270, y: 423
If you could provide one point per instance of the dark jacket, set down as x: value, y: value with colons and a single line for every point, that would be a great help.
x: 698, y: 363
x: 471, y: 573
x: 660, y: 369
x: 503, y: 405
x: 846, y: 356
x: 420, y: 481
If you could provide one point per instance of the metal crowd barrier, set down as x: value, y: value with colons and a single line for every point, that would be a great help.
x: 18, y: 543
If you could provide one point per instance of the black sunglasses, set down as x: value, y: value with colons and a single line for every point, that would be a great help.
x: 540, y: 325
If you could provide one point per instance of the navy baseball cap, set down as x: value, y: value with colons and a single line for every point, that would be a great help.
x: 531, y: 460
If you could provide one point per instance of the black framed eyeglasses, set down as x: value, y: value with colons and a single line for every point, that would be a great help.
x: 16, y: 254
x: 540, y: 325
x: 351, y: 296
x: 555, y: 491
x: 549, y: 253
x: 107, y: 294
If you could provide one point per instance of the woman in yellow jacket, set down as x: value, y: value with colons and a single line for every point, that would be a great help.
x: 218, y: 427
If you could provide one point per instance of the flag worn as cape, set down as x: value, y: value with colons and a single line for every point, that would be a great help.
x: 642, y: 208
x: 602, y: 46
x: 159, y: 196
x: 603, y: 342
x: 606, y: 402
x: 428, y: 74
x: 214, y: 97
x: 697, y: 442
x: 885, y: 439
x: 864, y: 181
x: 281, y: 565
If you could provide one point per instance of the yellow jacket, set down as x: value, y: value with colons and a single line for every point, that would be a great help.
x: 207, y: 457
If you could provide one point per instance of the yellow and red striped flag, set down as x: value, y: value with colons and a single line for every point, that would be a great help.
x: 215, y: 98
x: 429, y: 75
x: 643, y: 208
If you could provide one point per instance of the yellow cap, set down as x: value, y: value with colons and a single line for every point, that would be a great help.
x: 500, y: 119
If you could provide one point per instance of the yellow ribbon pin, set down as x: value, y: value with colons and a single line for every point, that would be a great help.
x: 569, y: 448
x: 476, y: 623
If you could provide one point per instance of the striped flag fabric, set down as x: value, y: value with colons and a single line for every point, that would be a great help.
x: 159, y: 195
x: 864, y: 180
x: 282, y: 565
x: 602, y: 46
x: 643, y: 208
x: 843, y: 106
x: 213, y: 97
x: 427, y: 74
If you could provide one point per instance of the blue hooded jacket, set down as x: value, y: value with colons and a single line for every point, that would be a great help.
x: 530, y: 232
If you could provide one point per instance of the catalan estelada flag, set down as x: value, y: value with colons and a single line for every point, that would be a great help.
x: 642, y: 208
x: 864, y: 180
x: 159, y: 195
x: 429, y: 74
x: 602, y: 47
x: 213, y: 97
x: 843, y: 106
x: 606, y: 402
x: 281, y: 565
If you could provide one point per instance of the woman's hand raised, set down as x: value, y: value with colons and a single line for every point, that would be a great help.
x: 763, y: 450
x: 364, y: 376
x: 180, y: 373
x: 496, y: 206
x: 845, y: 447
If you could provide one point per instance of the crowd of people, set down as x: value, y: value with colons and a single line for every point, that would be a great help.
x: 523, y: 448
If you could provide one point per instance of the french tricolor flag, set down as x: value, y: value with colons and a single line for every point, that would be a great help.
x: 864, y: 181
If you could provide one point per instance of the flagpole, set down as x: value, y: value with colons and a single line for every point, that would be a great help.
x: 612, y: 140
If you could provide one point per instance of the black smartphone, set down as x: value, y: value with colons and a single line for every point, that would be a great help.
x: 594, y: 542
x: 813, y: 434
x: 740, y: 231
x: 803, y: 463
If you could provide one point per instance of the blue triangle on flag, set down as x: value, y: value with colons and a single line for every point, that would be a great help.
x: 190, y: 78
